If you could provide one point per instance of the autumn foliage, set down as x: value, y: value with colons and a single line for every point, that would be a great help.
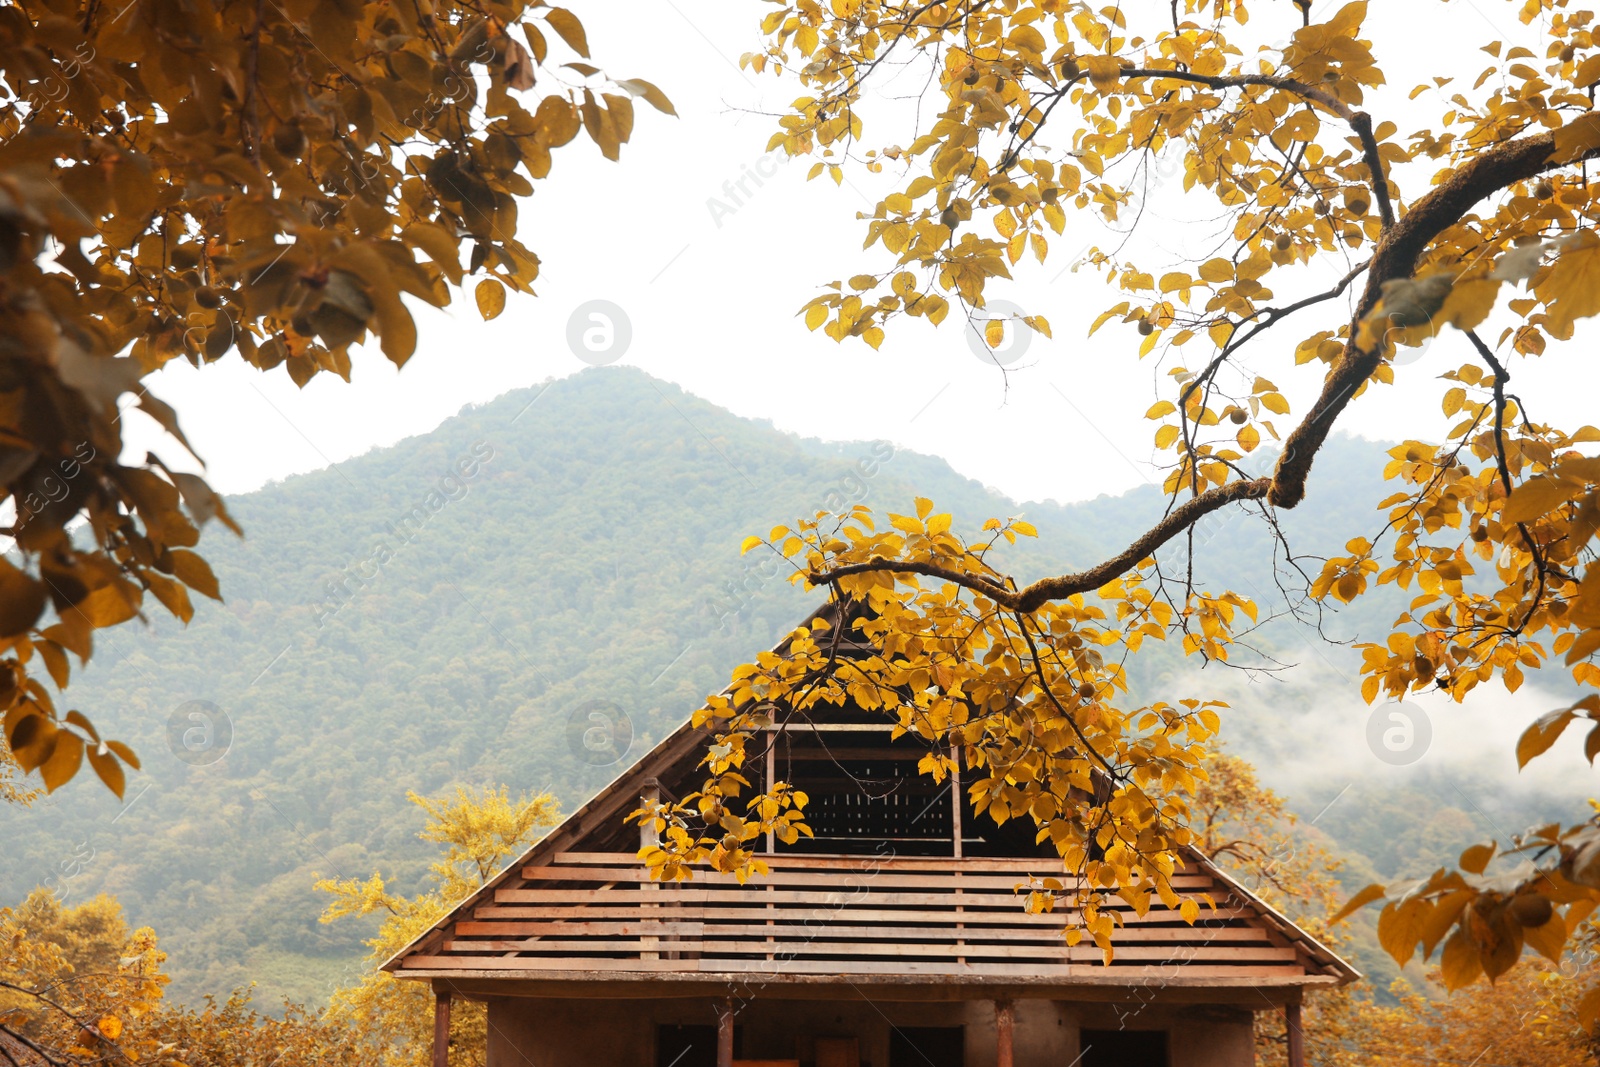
x: 1343, y: 243
x: 78, y: 989
x: 263, y: 182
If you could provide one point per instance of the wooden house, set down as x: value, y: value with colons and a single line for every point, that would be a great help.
x: 894, y: 937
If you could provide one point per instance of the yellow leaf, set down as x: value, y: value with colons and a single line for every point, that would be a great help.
x: 110, y: 771
x: 567, y: 25
x: 1249, y: 437
x: 1547, y: 940
x: 1536, y: 498
x: 653, y: 96
x: 63, y: 761
x: 1580, y: 135
x: 1537, y: 738
x: 994, y: 333
x: 1357, y: 903
x: 1469, y: 302
x: 110, y: 1026
x: 749, y: 542
x: 107, y: 605
x: 1400, y: 926
x: 1103, y: 72
x: 1459, y: 965
x: 1572, y: 288
x: 195, y: 572
x: 1477, y: 857
x: 816, y: 315
x: 905, y: 523
x: 1348, y: 19
x: 1589, y: 1008
x: 491, y: 297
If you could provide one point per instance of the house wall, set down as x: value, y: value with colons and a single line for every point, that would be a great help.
x: 530, y: 1032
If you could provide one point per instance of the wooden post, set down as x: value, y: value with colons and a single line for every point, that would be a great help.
x: 1004, y: 1022
x: 651, y: 794
x: 725, y: 1032
x: 955, y: 834
x: 955, y: 802
x: 772, y: 776
x: 1297, y: 1036
x: 441, y: 1029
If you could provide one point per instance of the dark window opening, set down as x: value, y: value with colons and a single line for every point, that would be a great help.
x: 1124, y: 1048
x: 691, y: 1046
x: 927, y: 1046
x: 867, y: 795
x: 883, y: 800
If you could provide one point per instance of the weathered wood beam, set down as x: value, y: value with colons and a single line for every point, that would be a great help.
x: 725, y: 1032
x: 441, y: 1029
x: 1004, y: 1023
x: 1297, y: 1036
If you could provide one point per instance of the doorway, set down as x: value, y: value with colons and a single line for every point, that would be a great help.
x: 690, y: 1046
x: 1123, y: 1048
x: 927, y: 1046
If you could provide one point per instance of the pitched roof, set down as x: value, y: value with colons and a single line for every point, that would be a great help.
x: 578, y: 907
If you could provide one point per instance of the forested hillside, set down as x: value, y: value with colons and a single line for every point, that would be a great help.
x: 452, y: 608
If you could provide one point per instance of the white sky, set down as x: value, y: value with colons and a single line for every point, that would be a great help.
x: 712, y: 302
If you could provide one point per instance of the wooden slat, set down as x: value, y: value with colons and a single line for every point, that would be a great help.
x: 822, y: 879
x: 756, y: 897
x: 784, y: 932
x: 1013, y: 916
x: 832, y: 728
x: 844, y: 967
x: 804, y: 947
x: 1044, y: 866
x: 831, y: 914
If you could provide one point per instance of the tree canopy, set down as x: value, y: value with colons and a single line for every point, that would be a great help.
x: 1343, y: 243
x: 263, y: 182
x: 77, y: 989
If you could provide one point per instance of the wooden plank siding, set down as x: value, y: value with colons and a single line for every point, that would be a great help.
x: 941, y: 917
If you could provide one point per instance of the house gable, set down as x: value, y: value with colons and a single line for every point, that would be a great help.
x: 901, y: 884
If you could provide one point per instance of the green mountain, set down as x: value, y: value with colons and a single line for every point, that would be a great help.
x: 471, y: 605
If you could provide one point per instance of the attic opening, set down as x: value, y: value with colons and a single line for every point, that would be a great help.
x: 867, y: 795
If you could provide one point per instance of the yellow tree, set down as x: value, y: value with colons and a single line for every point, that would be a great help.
x: 478, y: 830
x: 1248, y: 830
x: 77, y: 989
x: 1041, y: 112
x: 1527, y: 1019
x: 258, y: 181
x: 73, y: 979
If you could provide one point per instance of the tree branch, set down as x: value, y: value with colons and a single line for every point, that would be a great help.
x: 1359, y: 121
x: 1396, y: 257
x: 1035, y: 596
x: 1500, y: 378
